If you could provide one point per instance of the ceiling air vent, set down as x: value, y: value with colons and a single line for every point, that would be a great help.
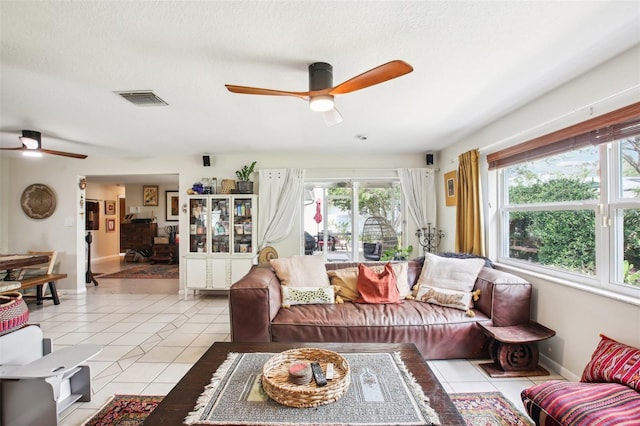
x: 142, y: 98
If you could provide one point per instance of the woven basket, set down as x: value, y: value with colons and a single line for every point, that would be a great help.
x: 227, y: 186
x: 13, y: 311
x: 275, y: 378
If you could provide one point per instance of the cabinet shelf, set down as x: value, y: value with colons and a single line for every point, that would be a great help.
x: 223, y: 244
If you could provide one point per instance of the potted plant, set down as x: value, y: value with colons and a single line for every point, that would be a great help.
x: 397, y: 253
x: 244, y: 185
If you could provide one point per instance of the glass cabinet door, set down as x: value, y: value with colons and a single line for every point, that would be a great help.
x: 220, y: 225
x: 198, y: 224
x: 243, y: 225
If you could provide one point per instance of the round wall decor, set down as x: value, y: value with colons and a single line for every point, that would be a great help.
x: 38, y: 201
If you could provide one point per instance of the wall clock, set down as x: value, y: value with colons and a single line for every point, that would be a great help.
x: 38, y: 201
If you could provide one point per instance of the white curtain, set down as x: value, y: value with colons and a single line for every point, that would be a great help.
x: 419, y: 189
x: 280, y: 196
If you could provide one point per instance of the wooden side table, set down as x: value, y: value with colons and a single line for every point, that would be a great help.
x: 514, y: 350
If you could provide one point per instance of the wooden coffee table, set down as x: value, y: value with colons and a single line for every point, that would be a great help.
x: 182, y: 398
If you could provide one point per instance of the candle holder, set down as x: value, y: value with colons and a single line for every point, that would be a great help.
x: 429, y: 238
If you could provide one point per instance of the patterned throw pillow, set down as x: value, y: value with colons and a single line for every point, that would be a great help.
x: 613, y: 362
x: 306, y: 295
x: 301, y: 271
x: 462, y: 300
x: 377, y: 288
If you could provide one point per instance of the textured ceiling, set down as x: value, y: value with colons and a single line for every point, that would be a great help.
x: 61, y: 63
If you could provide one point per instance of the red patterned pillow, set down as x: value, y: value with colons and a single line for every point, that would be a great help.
x: 377, y: 288
x: 613, y: 362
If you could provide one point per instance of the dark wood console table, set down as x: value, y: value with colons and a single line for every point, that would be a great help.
x: 514, y: 350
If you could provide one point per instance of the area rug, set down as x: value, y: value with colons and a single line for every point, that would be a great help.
x: 488, y: 409
x: 485, y: 409
x: 147, y: 271
x: 382, y: 392
x: 125, y: 410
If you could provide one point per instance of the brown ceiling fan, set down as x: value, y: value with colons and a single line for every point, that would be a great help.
x: 32, y: 146
x: 321, y: 90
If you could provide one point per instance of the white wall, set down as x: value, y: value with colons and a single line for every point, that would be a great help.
x: 577, y: 316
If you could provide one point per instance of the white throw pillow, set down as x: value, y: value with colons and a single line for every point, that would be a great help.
x: 301, y: 271
x: 450, y: 273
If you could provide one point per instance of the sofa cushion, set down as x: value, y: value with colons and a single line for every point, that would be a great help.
x: 450, y: 273
x: 614, y: 362
x: 377, y: 287
x: 579, y: 404
x: 462, y: 300
x: 306, y: 295
x: 347, y: 280
x: 301, y: 271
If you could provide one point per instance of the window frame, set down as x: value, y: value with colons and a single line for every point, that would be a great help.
x: 355, y: 184
x: 605, y: 131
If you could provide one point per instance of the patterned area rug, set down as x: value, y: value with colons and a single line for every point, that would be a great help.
x: 485, y: 409
x: 147, y: 271
x: 125, y: 410
x: 382, y: 392
x: 488, y: 409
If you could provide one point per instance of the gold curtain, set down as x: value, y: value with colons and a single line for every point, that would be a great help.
x: 469, y: 223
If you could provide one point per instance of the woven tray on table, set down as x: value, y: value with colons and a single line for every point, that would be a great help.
x: 275, y: 378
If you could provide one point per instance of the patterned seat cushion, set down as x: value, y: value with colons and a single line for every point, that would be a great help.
x: 579, y: 404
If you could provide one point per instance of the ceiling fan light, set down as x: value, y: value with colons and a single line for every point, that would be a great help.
x: 32, y: 153
x: 29, y: 143
x: 321, y: 103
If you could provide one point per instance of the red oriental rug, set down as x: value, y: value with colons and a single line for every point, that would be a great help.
x: 125, y: 410
x: 488, y: 409
x: 147, y: 271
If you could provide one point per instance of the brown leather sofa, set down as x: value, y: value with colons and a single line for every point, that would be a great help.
x: 438, y: 332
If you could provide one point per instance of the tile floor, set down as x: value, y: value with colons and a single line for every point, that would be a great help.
x: 152, y: 336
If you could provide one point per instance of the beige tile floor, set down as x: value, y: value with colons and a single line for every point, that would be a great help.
x: 151, y: 337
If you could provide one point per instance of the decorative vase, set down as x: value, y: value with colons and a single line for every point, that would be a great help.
x: 245, y: 187
x: 13, y: 311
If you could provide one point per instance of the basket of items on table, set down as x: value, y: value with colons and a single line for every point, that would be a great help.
x: 306, y: 377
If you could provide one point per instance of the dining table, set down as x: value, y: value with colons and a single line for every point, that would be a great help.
x: 8, y: 262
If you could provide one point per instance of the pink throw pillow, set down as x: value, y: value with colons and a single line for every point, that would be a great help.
x: 377, y: 288
x: 613, y: 362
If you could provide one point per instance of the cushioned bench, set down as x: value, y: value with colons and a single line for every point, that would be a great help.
x: 607, y: 393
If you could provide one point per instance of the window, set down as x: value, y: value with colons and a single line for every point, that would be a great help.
x: 335, y: 212
x: 571, y: 207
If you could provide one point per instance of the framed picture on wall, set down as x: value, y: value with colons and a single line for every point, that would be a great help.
x: 172, y: 207
x: 150, y: 195
x: 109, y: 207
x: 450, y: 188
x: 111, y: 225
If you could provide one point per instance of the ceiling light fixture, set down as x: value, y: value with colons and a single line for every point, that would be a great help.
x: 30, y: 139
x: 321, y: 103
x: 32, y: 153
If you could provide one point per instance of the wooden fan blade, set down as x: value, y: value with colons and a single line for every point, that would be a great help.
x: 270, y: 92
x: 12, y: 149
x: 374, y: 76
x: 64, y: 154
